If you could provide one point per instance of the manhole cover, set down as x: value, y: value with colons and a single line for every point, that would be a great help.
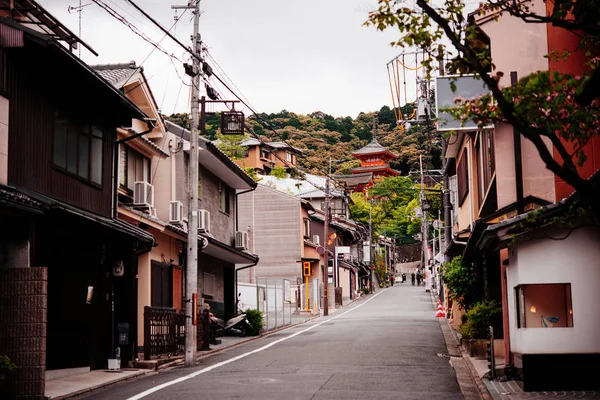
x: 449, y: 355
x: 252, y: 381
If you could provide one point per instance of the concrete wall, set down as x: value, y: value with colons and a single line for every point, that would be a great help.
x: 4, y: 103
x: 275, y: 221
x: 222, y: 225
x: 573, y: 260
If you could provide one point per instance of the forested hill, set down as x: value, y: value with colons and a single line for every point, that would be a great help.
x: 321, y: 136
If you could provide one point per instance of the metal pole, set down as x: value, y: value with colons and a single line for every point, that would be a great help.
x: 192, y: 250
x: 325, y: 240
x: 424, y: 227
x: 371, y: 242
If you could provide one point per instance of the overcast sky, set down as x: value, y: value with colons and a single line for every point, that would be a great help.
x: 297, y: 55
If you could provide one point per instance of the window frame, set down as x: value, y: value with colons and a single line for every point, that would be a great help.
x: 76, y: 129
x: 520, y: 292
x: 224, y: 198
x: 462, y: 179
x: 306, y: 227
x: 133, y: 156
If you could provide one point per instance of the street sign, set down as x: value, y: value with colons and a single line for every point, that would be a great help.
x: 320, y: 250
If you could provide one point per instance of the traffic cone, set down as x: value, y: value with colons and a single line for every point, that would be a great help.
x: 440, y: 311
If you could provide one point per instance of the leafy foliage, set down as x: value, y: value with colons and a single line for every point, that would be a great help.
x: 256, y: 321
x: 279, y: 172
x: 459, y: 280
x: 541, y: 105
x: 479, y: 318
x: 6, y: 367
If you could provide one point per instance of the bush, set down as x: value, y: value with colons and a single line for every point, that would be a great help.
x: 479, y: 318
x: 6, y: 367
x: 460, y: 281
x: 256, y: 321
x: 365, y: 290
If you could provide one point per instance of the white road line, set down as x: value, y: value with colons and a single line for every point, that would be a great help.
x: 229, y: 361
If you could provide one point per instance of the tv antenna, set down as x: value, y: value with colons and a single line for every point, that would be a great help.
x: 78, y: 9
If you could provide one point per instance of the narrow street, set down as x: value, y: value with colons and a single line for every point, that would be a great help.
x: 384, y: 346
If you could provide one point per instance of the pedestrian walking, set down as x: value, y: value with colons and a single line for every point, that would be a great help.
x: 419, y: 278
x: 412, y: 278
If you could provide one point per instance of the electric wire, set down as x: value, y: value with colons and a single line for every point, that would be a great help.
x: 191, y: 52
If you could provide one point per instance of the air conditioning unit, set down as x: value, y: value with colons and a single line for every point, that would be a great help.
x: 143, y: 194
x: 241, y: 240
x: 203, y: 221
x: 316, y: 240
x: 152, y: 212
x: 176, y: 212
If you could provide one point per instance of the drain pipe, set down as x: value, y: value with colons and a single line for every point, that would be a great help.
x: 237, y: 295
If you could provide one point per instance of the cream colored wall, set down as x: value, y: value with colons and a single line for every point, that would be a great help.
x: 537, y: 179
x: 162, y: 170
x: 167, y: 249
x: 572, y: 260
x: 344, y: 281
x: 4, y: 104
x: 465, y: 212
x: 505, y: 165
x: 518, y: 46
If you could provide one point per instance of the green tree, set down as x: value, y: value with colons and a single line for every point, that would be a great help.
x: 231, y: 145
x: 541, y: 105
x: 279, y: 172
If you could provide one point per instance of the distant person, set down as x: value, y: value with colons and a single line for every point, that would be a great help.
x: 412, y: 278
x: 419, y: 278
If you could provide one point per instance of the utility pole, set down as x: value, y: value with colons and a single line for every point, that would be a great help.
x: 191, y: 284
x: 326, y: 245
x: 424, y: 227
x: 371, y: 243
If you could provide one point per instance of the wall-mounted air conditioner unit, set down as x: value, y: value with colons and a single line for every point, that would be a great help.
x: 143, y: 194
x: 316, y: 240
x: 203, y: 221
x: 176, y: 212
x: 241, y: 240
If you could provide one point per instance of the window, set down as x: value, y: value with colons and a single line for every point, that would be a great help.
x: 162, y: 285
x: 78, y: 148
x: 133, y: 167
x: 462, y: 176
x: 224, y: 198
x: 264, y: 154
x: 306, y: 228
x: 289, y: 157
x: 208, y: 285
x: 486, y: 166
x: 544, y: 305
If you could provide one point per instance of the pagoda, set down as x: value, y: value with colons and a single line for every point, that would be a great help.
x: 374, y: 158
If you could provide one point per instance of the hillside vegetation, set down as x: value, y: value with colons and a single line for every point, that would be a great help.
x: 321, y: 137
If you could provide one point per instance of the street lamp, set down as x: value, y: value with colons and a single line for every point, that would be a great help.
x: 232, y: 122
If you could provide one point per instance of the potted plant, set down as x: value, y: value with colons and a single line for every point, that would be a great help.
x: 475, y: 327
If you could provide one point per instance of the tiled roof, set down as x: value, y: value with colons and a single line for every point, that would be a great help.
x: 116, y: 73
x: 375, y: 169
x: 373, y: 148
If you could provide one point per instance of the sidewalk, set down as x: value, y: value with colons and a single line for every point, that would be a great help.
x: 84, y: 383
x: 500, y: 388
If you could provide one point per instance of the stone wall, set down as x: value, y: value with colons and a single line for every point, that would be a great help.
x: 23, y: 306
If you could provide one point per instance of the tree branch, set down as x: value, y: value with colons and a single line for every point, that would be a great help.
x: 569, y: 175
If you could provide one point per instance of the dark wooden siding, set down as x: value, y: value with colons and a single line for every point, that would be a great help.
x: 40, y: 81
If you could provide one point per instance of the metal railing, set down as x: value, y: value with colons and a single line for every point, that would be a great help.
x: 164, y: 331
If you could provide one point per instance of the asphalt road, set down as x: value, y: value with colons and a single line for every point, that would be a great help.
x: 383, y: 346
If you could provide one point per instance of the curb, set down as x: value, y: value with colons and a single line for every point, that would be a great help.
x: 74, y: 395
x: 482, y: 388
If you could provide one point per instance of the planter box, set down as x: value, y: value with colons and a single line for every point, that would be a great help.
x: 476, y: 348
